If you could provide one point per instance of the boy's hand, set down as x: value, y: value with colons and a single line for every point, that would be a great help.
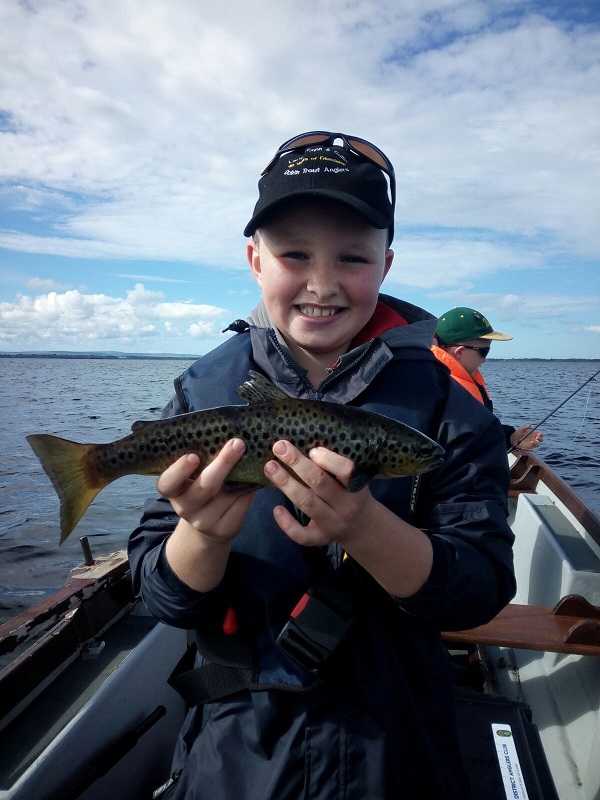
x: 399, y: 556
x: 336, y: 514
x: 519, y: 438
x: 201, y: 502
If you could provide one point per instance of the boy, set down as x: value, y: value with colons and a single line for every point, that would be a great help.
x: 464, y: 338
x: 375, y: 719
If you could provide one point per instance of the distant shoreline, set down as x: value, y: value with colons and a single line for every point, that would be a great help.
x: 110, y: 356
x: 115, y: 356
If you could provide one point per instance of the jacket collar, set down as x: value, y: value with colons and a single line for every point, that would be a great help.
x: 395, y: 325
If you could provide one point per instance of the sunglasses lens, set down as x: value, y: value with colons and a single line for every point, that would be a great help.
x: 298, y: 142
x: 304, y: 140
x: 372, y: 153
x: 369, y: 151
x: 483, y: 351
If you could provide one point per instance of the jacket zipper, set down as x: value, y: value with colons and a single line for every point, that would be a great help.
x: 317, y: 394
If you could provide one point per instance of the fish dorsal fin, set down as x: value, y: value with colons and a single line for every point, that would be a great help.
x: 260, y: 390
x: 137, y: 426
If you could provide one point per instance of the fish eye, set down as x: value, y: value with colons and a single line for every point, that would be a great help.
x: 425, y: 450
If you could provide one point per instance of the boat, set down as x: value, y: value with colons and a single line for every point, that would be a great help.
x: 86, y: 711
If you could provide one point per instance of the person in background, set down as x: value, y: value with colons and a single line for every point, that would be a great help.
x: 464, y: 338
x: 361, y: 704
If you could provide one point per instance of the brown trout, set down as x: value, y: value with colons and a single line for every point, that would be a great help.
x: 379, y: 446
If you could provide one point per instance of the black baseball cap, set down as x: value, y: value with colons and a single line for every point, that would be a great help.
x: 333, y: 171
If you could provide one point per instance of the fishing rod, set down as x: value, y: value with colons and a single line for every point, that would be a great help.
x: 560, y: 405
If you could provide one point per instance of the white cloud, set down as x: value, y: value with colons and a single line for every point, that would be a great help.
x: 445, y: 261
x: 45, y: 285
x: 544, y: 306
x: 157, y: 278
x: 79, y: 320
x: 488, y: 116
x: 524, y: 309
x: 130, y: 134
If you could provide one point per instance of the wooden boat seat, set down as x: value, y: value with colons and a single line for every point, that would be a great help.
x: 572, y: 626
x: 524, y: 476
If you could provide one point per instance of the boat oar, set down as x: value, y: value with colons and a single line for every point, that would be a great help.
x: 560, y: 405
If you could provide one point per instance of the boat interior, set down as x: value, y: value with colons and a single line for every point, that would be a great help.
x: 86, y: 711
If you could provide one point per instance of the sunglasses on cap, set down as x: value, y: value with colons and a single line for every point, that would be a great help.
x: 485, y: 351
x: 360, y: 147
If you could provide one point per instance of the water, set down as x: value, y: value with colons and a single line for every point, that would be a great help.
x: 86, y: 400
x: 96, y: 400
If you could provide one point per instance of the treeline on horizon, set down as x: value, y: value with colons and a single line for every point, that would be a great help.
x: 100, y: 355
x: 184, y: 356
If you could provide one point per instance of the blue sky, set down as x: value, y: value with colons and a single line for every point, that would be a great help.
x: 133, y: 133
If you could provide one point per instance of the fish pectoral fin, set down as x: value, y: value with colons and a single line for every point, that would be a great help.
x: 260, y: 389
x: 358, y: 480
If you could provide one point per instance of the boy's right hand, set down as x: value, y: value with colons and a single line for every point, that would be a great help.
x: 210, y: 518
x: 201, y: 501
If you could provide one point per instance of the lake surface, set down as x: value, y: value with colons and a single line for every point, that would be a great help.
x: 97, y: 400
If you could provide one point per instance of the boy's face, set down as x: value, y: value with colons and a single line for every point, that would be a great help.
x: 470, y: 359
x: 320, y: 266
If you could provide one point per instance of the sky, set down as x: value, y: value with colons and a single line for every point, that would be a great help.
x: 133, y: 133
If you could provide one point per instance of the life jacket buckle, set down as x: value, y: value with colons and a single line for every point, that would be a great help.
x: 314, y: 630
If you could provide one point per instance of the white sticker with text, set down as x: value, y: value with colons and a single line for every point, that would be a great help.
x: 512, y: 776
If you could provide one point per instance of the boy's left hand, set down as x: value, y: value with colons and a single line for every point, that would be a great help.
x: 336, y: 515
x: 523, y: 441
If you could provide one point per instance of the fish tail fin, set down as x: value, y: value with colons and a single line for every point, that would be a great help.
x: 66, y: 464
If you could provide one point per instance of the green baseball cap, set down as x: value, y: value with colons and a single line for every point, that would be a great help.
x: 463, y: 324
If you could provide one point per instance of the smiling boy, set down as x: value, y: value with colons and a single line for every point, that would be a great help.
x: 376, y: 718
x: 319, y: 265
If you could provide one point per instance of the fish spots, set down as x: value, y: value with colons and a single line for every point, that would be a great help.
x: 379, y: 446
x: 121, y: 457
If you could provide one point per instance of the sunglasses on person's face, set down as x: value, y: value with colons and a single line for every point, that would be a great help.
x: 485, y: 351
x: 360, y: 147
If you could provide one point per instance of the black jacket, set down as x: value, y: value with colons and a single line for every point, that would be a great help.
x: 379, y: 722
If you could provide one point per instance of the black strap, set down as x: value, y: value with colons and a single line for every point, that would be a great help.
x: 313, y: 632
x: 208, y: 682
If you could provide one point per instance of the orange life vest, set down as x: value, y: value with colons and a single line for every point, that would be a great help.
x: 474, y: 384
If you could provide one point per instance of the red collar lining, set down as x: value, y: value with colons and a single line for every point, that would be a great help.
x: 382, y: 320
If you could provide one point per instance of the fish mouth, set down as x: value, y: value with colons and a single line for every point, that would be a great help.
x: 435, y: 463
x: 318, y: 311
